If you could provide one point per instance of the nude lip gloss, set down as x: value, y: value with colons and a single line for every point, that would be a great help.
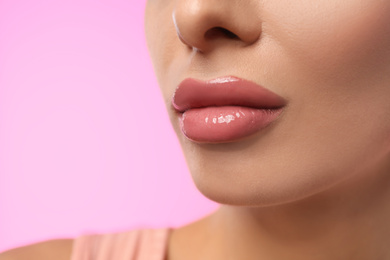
x: 224, y: 109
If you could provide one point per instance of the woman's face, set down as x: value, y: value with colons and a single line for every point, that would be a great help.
x: 329, y: 60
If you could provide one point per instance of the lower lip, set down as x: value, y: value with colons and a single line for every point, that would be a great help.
x: 225, y: 123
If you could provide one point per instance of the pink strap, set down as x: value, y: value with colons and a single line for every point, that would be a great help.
x: 145, y: 244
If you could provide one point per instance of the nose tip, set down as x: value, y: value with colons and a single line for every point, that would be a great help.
x: 204, y: 24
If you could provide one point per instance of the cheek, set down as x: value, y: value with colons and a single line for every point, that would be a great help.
x: 332, y: 36
x: 336, y: 58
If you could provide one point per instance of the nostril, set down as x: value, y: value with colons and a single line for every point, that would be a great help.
x: 218, y: 32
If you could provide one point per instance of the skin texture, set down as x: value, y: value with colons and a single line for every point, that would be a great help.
x: 329, y: 60
x: 315, y: 184
x: 59, y: 249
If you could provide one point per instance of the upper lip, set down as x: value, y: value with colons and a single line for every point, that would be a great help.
x: 224, y: 91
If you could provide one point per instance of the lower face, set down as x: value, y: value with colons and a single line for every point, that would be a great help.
x: 329, y: 59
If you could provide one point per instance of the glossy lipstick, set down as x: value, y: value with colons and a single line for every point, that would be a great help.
x: 224, y: 109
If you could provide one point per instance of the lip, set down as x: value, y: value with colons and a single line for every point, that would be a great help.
x: 224, y: 109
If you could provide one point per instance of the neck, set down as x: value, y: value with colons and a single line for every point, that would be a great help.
x: 349, y: 221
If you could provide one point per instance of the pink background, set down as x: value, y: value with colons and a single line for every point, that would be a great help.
x: 85, y: 141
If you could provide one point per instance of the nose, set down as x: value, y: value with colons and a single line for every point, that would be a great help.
x: 205, y: 24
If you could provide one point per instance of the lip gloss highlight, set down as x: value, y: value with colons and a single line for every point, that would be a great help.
x: 224, y: 109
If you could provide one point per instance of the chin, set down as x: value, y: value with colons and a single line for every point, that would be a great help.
x: 258, y: 198
x: 270, y: 192
x: 265, y: 183
x: 269, y: 185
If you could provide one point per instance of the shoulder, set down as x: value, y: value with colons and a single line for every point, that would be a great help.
x: 59, y: 249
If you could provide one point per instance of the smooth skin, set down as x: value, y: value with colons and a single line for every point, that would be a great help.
x: 58, y: 249
x: 314, y: 185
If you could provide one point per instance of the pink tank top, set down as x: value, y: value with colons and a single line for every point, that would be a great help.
x: 143, y: 244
